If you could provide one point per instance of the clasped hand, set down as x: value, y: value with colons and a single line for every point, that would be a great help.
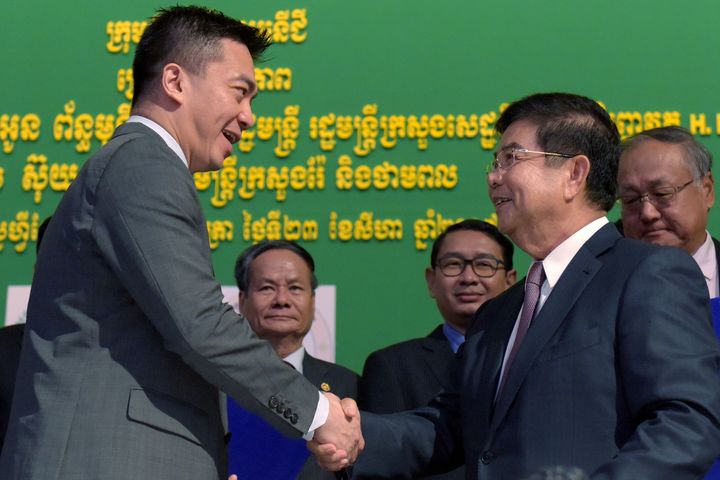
x: 338, y: 443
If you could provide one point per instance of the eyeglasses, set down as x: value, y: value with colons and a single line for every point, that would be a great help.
x: 484, y: 266
x: 506, y: 159
x: 661, y: 197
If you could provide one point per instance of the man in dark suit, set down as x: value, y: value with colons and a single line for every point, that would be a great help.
x: 10, y: 342
x: 470, y: 262
x: 603, y: 359
x: 127, y: 339
x: 276, y: 282
x: 666, y: 189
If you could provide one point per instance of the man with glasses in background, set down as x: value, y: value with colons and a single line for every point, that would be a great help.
x: 665, y: 186
x: 603, y: 358
x: 470, y: 262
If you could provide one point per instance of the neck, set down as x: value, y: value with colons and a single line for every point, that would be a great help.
x: 161, y: 115
x: 459, y: 325
x: 541, y: 242
x: 285, y: 346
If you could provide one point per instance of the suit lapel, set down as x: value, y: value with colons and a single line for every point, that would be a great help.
x: 578, y: 274
x: 312, y: 370
x: 437, y: 350
x: 485, y: 351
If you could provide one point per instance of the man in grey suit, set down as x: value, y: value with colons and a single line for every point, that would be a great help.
x: 603, y: 358
x: 276, y: 282
x: 127, y: 339
x: 666, y: 189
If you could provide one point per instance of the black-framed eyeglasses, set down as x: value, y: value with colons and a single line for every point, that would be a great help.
x: 484, y: 266
x: 661, y: 197
x: 504, y: 160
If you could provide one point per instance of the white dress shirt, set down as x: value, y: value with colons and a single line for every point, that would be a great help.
x: 554, y: 265
x: 706, y: 258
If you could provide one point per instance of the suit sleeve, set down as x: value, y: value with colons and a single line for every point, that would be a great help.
x: 150, y: 230
x: 668, y: 362
x: 423, y: 441
x: 380, y: 390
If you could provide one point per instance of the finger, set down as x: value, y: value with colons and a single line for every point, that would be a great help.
x: 350, y: 408
x: 321, y: 449
x: 332, y: 397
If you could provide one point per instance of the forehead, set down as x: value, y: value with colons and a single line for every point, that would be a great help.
x: 469, y: 243
x: 520, y: 134
x: 279, y: 264
x: 235, y: 59
x: 653, y: 162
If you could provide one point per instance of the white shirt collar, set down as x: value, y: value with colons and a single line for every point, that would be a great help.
x: 164, y: 134
x: 558, y: 260
x: 706, y: 258
x: 296, y: 359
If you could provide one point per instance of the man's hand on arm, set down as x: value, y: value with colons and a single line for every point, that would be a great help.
x: 339, y: 441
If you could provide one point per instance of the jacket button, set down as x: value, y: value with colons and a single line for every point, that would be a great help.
x: 487, y: 457
x: 280, y: 407
x: 287, y: 413
x: 273, y: 402
x: 294, y: 418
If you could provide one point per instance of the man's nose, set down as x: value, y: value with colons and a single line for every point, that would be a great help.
x: 245, y: 117
x: 649, y: 212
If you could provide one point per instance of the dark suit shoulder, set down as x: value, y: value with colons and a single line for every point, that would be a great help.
x: 400, y: 350
x: 331, y: 377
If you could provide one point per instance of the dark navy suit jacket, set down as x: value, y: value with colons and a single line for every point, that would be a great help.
x: 618, y: 375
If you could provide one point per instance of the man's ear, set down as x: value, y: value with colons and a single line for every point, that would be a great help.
x: 430, y: 279
x: 708, y: 185
x: 241, y: 300
x: 174, y: 82
x: 579, y: 169
x: 510, y: 278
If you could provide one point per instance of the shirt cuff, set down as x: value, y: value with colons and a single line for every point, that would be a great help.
x: 321, y: 415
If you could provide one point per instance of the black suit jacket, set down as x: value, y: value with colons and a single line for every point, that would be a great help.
x: 10, y: 342
x: 333, y: 378
x: 618, y: 375
x: 405, y: 376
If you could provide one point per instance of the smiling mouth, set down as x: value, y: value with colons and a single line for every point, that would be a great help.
x: 231, y: 137
x: 499, y: 201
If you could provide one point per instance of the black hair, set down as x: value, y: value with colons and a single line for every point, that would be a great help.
x: 189, y: 36
x: 573, y: 125
x: 475, y: 225
x: 242, y: 265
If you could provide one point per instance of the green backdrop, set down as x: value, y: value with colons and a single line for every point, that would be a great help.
x: 402, y: 95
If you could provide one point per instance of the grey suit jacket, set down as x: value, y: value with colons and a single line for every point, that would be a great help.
x: 127, y: 338
x: 405, y: 376
x: 618, y: 375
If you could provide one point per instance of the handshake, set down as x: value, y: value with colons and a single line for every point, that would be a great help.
x: 339, y: 441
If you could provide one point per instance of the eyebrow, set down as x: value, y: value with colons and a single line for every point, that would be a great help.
x: 511, y: 146
x: 658, y: 182
x: 460, y: 255
x: 252, y: 85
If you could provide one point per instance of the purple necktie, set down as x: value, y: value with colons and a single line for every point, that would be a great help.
x: 533, y: 283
